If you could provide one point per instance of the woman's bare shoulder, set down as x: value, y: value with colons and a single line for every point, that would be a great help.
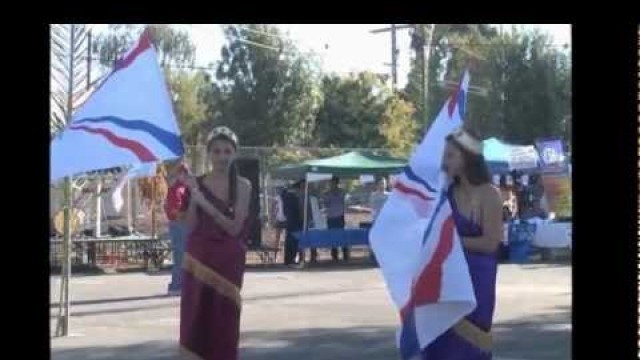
x: 490, y: 192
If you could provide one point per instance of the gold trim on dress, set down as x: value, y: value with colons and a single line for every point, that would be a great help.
x: 475, y: 335
x: 212, y: 278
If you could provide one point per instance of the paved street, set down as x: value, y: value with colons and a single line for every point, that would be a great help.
x: 315, y: 314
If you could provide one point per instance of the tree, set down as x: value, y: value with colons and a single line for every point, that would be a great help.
x: 189, y: 102
x: 524, y: 81
x: 531, y: 87
x: 451, y: 47
x: 174, y: 46
x: 398, y: 127
x: 68, y: 72
x: 68, y: 81
x: 351, y: 111
x: 265, y: 83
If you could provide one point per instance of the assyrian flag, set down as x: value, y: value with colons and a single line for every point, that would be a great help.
x: 416, y: 244
x: 128, y: 120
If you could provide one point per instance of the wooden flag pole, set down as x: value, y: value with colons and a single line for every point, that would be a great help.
x: 62, y: 327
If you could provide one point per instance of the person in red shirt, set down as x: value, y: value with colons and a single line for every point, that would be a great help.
x: 174, y: 207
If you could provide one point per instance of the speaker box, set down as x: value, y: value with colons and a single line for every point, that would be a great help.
x: 249, y: 168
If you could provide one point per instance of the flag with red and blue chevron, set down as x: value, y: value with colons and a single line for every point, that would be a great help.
x: 416, y: 244
x: 128, y: 120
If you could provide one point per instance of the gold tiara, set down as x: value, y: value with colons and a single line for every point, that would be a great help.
x: 468, y: 142
x: 225, y: 132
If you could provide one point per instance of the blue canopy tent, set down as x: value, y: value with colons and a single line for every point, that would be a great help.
x: 503, y: 158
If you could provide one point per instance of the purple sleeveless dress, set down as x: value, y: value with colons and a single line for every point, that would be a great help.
x: 471, y: 341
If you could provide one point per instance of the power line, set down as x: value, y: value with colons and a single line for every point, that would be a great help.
x: 457, y: 44
x: 177, y: 66
x: 265, y: 46
x: 258, y: 44
x: 279, y: 37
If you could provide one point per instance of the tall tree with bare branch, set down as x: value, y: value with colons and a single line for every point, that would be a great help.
x: 69, y: 87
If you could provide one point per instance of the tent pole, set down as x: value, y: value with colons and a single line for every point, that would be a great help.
x: 306, y: 201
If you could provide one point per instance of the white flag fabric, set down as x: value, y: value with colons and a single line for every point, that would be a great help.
x: 117, y: 196
x: 128, y: 120
x: 416, y: 244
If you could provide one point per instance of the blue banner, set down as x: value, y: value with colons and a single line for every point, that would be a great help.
x: 552, y: 157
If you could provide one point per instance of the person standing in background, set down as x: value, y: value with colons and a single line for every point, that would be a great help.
x: 376, y: 202
x: 509, y: 201
x: 293, y: 205
x: 174, y: 207
x: 280, y: 220
x: 335, y: 208
x: 378, y: 198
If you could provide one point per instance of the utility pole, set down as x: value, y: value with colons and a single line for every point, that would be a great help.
x: 426, y: 52
x: 394, y: 50
x: 394, y: 58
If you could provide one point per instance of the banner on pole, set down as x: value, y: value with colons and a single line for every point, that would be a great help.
x: 552, y: 156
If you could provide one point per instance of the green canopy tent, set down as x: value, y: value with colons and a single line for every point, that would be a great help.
x: 351, y: 164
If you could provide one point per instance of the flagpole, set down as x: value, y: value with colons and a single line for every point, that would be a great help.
x: 62, y: 327
x: 306, y: 199
x: 306, y: 204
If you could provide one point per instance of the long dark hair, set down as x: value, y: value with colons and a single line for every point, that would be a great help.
x: 475, y: 166
x: 233, y: 169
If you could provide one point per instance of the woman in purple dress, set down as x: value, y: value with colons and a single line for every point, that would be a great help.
x: 214, y: 258
x: 477, y: 212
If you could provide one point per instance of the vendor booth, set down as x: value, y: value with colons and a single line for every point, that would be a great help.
x: 554, y: 230
x: 349, y: 165
x: 503, y: 158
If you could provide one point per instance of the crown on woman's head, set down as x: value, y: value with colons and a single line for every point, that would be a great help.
x: 223, y: 131
x: 467, y: 141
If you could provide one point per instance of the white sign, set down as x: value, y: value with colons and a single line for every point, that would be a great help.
x: 550, y: 156
x: 319, y: 220
x: 366, y: 179
x: 523, y: 157
x: 315, y: 177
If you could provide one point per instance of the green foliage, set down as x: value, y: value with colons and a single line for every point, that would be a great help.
x: 191, y: 109
x: 174, y: 46
x: 398, y: 127
x: 271, y: 94
x: 68, y: 72
x: 351, y: 112
x: 267, y: 91
x: 520, y: 82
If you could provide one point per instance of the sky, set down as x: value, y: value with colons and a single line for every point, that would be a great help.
x: 342, y: 48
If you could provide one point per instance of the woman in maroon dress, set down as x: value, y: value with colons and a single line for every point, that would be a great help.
x: 214, y: 258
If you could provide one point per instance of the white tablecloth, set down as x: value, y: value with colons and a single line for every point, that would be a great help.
x: 553, y: 235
